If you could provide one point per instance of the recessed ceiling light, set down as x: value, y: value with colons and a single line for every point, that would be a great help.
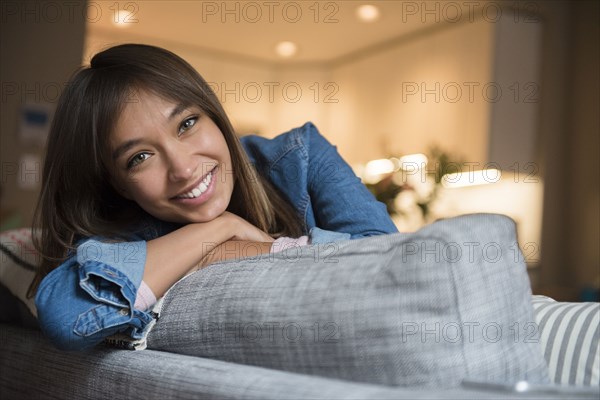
x: 286, y: 49
x: 367, y: 13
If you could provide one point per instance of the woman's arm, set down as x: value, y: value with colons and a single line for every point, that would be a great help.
x: 196, y: 245
x: 341, y: 202
x: 91, y: 295
x: 169, y: 257
x: 321, y: 186
x: 234, y: 249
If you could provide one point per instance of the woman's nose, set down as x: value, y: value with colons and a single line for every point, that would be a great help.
x: 180, y: 167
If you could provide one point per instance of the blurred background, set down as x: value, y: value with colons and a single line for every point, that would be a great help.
x: 441, y: 107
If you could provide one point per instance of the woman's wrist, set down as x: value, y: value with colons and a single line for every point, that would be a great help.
x: 170, y: 257
x: 243, y: 230
x: 229, y: 223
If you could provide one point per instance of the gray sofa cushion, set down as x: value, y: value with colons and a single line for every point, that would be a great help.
x: 430, y: 308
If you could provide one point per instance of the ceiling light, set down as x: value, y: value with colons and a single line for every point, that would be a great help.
x: 367, y: 13
x: 286, y: 49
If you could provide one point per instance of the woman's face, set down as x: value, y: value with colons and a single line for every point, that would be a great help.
x: 171, y: 160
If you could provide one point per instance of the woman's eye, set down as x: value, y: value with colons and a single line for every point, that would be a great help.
x: 136, y: 160
x: 187, y: 124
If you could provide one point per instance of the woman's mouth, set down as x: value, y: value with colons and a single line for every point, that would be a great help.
x: 201, y: 191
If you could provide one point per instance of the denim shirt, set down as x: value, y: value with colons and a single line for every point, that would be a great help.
x: 92, y: 294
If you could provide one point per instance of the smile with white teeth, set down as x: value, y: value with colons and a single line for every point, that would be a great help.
x: 198, y: 190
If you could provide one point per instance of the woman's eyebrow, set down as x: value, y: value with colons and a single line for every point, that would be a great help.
x: 124, y: 147
x: 178, y: 109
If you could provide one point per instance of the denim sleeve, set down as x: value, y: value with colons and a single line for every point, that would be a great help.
x: 318, y: 235
x: 341, y: 202
x: 92, y: 295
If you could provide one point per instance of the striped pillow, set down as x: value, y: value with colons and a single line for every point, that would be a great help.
x: 569, y: 335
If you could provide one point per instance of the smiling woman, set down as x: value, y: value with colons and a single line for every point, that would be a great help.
x: 144, y: 180
x: 172, y: 152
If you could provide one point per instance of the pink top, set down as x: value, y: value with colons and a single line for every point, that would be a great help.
x: 284, y: 243
x: 144, y: 298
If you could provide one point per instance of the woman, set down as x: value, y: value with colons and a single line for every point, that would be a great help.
x: 144, y: 180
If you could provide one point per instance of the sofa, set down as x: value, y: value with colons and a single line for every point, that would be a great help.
x: 444, y: 312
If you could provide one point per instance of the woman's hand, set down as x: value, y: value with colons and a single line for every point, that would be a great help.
x: 244, y: 230
x: 246, y: 240
x: 169, y: 257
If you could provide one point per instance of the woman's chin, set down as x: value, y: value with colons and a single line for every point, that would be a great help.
x: 205, y: 216
x: 180, y: 215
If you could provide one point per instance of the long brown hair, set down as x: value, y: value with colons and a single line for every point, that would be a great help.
x: 77, y: 198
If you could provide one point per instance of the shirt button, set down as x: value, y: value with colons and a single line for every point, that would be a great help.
x: 124, y: 311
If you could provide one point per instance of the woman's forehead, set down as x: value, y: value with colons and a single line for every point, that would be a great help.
x: 149, y: 105
x: 137, y: 95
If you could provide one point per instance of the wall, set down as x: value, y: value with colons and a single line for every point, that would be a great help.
x: 568, y: 149
x: 582, y: 166
x: 40, y: 47
x: 415, y: 93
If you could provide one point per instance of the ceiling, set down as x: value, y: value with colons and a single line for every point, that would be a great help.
x: 325, y: 31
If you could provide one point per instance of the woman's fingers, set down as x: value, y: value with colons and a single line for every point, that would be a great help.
x: 244, y: 230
